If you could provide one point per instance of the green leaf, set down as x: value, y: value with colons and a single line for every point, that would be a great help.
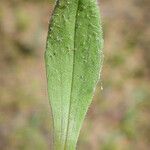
x: 73, y: 62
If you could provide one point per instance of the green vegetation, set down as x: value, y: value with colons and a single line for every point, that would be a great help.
x: 73, y: 62
x: 118, y: 118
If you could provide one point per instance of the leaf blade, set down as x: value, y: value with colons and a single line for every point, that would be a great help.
x: 72, y: 66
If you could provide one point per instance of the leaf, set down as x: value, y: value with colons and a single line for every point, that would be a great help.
x: 73, y: 62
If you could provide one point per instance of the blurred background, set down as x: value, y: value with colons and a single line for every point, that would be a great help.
x: 119, y: 117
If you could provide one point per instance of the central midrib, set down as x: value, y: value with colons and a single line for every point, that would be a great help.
x: 65, y: 146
